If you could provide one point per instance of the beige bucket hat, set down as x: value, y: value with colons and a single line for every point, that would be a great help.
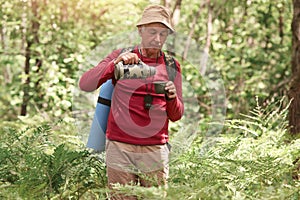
x: 156, y: 13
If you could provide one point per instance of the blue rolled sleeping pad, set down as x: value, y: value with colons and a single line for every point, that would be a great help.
x: 97, y: 137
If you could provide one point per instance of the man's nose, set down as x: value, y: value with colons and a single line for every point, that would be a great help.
x: 157, y: 37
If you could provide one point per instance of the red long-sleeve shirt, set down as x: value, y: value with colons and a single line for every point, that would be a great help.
x: 128, y: 120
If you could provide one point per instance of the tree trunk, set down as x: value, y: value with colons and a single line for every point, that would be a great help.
x: 191, y: 33
x: 3, y: 39
x: 294, y: 92
x: 281, y: 23
x: 176, y: 12
x: 167, y: 3
x: 204, y: 58
x: 35, y: 25
x: 175, y: 18
x: 27, y: 81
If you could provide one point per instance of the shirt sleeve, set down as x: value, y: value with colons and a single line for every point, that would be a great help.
x: 175, y: 107
x: 94, y: 77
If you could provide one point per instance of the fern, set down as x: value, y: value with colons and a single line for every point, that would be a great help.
x: 250, y: 160
x: 33, y: 167
x: 254, y: 158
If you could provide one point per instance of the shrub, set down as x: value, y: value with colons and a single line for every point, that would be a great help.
x: 33, y: 167
x: 252, y: 159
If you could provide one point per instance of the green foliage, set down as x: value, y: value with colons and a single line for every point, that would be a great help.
x: 250, y: 48
x: 64, y: 33
x: 254, y: 160
x: 33, y: 167
x: 250, y: 44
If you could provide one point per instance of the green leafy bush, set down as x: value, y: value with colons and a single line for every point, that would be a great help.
x: 252, y: 159
x: 33, y: 167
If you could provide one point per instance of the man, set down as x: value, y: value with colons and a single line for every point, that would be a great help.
x: 137, y: 136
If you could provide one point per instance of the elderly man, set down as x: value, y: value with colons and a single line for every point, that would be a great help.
x: 137, y: 147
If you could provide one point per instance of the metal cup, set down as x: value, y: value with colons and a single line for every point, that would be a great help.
x: 159, y: 87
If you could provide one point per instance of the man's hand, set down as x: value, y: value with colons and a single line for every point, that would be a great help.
x: 171, y: 90
x: 127, y: 58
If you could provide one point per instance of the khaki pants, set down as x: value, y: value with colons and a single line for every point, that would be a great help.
x: 136, y: 164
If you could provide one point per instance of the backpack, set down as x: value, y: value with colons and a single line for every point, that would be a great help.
x: 97, y: 138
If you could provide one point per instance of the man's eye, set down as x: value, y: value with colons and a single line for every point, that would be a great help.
x: 164, y: 34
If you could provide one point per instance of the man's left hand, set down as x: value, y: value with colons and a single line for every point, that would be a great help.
x: 171, y: 90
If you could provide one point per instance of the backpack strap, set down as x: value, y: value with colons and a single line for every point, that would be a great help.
x: 104, y: 101
x: 171, y: 67
x: 128, y: 49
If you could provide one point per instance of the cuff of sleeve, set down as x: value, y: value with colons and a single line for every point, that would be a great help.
x: 169, y: 99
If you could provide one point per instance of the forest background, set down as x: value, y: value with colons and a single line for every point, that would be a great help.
x: 233, y: 141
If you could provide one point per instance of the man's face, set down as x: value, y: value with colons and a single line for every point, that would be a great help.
x: 153, y: 36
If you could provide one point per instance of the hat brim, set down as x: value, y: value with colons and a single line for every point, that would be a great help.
x: 156, y: 21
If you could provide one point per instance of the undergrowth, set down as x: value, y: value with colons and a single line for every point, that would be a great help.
x: 36, y: 163
x: 254, y: 158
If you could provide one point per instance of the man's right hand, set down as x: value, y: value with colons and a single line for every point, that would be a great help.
x: 127, y: 58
